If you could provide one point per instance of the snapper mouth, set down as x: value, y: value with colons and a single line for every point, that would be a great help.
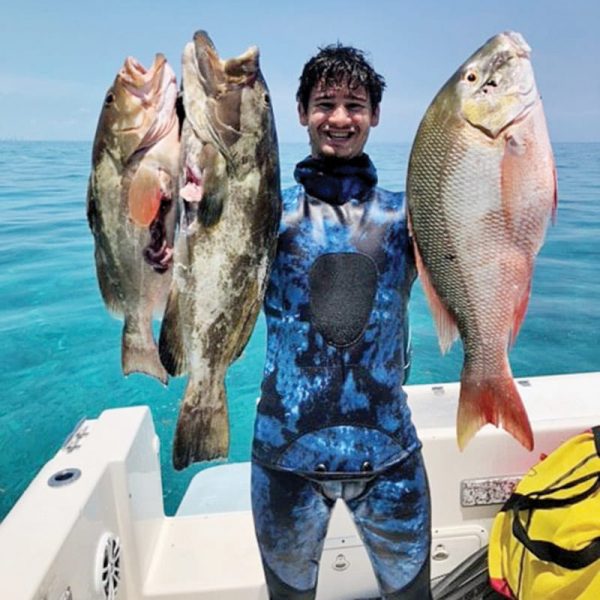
x: 504, y: 92
x: 522, y: 48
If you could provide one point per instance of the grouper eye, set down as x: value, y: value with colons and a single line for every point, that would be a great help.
x: 110, y: 98
x: 471, y: 76
x: 267, y: 99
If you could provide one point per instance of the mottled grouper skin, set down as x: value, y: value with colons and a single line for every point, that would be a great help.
x: 129, y: 285
x: 220, y: 269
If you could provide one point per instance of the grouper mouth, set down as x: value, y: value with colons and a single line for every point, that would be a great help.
x: 216, y: 74
x: 156, y: 90
x: 142, y: 82
x: 224, y: 102
x: 222, y: 82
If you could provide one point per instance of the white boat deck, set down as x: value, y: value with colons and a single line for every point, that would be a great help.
x: 57, y: 542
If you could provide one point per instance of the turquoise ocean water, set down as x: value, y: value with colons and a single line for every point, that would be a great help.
x: 60, y: 349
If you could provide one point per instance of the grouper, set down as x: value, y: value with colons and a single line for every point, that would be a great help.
x: 481, y: 190
x: 131, y: 204
x: 229, y: 192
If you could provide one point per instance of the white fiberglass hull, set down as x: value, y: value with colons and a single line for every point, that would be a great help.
x: 99, y: 531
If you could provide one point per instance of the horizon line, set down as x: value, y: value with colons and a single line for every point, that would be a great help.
x: 304, y: 142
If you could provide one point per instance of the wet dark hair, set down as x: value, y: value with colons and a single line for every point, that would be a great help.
x: 335, y: 65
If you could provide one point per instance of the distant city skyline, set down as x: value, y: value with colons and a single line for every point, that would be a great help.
x: 59, y: 58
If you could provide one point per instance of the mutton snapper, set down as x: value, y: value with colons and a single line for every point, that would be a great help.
x: 130, y: 203
x: 481, y: 188
x: 230, y: 192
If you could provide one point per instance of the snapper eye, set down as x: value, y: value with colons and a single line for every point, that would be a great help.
x: 471, y: 76
x: 267, y: 99
x: 110, y: 98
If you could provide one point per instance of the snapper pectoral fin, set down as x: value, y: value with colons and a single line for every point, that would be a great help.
x: 445, y: 323
x: 145, y: 193
x: 495, y: 400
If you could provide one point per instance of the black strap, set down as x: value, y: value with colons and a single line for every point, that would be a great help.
x: 547, y: 551
x: 596, y: 433
x: 537, y: 500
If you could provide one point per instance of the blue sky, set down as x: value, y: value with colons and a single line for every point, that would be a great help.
x: 58, y: 58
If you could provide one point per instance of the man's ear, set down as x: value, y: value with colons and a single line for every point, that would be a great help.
x: 375, y: 117
x: 302, y: 116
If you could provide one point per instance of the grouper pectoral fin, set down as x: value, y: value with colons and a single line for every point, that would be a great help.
x: 215, y: 188
x: 170, y: 343
x: 144, y: 196
x: 210, y: 210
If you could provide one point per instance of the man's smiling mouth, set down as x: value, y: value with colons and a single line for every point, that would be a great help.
x: 340, y: 135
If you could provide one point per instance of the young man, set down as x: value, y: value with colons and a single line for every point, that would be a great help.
x: 332, y: 421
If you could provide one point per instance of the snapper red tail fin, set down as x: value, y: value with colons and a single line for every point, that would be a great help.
x: 495, y: 400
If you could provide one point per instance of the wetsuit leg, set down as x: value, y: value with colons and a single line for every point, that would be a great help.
x: 290, y: 519
x: 393, y: 517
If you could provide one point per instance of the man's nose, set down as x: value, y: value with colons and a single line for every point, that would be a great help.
x: 339, y: 116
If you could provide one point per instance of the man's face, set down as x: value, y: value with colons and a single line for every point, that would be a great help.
x: 338, y: 119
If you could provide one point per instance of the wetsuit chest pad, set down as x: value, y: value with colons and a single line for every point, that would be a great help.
x: 342, y: 290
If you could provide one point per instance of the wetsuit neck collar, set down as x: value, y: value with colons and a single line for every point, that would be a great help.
x: 336, y: 181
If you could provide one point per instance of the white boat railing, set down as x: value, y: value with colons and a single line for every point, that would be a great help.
x: 92, y: 523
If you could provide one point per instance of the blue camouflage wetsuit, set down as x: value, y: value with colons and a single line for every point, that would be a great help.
x: 332, y: 420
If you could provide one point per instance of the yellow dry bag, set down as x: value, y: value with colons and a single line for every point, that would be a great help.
x: 545, y: 542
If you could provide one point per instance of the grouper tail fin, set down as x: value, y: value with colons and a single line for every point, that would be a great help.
x: 202, y: 431
x: 139, y: 353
